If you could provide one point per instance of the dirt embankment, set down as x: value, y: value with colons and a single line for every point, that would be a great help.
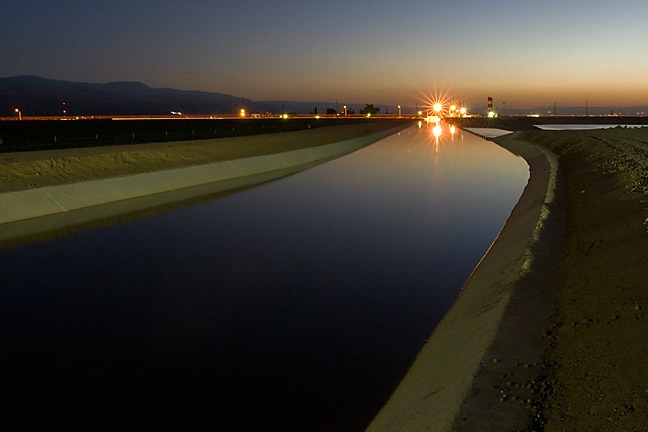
x: 597, y: 345
x: 52, y: 167
x: 569, y: 348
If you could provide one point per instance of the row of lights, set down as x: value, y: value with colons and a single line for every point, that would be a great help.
x: 243, y: 113
x: 17, y: 111
x: 453, y: 110
x: 437, y: 107
x: 437, y: 112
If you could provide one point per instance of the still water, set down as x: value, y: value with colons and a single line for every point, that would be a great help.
x: 296, y: 305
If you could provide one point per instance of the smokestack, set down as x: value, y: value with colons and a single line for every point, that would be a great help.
x: 490, y: 104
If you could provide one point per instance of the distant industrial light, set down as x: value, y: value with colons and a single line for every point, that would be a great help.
x: 242, y: 112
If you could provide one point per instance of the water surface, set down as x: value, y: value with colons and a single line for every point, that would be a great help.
x: 296, y: 305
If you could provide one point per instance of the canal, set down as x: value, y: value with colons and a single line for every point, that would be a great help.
x: 296, y: 305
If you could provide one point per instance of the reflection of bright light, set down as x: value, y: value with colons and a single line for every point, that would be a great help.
x: 437, y: 131
x: 452, y: 129
x: 420, y: 123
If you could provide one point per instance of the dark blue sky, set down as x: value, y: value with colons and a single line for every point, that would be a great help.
x: 384, y: 52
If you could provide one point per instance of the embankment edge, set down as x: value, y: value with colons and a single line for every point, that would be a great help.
x: 36, y: 202
x: 482, y: 368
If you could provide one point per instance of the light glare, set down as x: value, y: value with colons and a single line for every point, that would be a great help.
x: 437, y: 131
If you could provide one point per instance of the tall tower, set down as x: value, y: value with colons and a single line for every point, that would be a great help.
x: 490, y: 104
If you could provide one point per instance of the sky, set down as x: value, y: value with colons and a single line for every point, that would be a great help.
x: 522, y: 53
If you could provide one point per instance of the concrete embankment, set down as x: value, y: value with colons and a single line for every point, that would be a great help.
x: 24, y: 212
x: 482, y: 366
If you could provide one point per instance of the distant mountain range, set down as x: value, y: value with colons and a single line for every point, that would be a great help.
x: 35, y: 95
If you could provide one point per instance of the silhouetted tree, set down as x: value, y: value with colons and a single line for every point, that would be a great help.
x: 369, y: 109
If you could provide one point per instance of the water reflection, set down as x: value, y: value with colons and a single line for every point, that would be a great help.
x: 295, y: 305
x: 66, y: 223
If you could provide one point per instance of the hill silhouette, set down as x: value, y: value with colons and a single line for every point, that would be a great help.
x: 37, y: 96
x: 41, y: 96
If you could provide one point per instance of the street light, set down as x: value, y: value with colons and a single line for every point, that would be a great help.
x: 19, y: 113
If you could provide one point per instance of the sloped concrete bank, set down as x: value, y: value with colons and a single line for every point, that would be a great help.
x: 481, y: 369
x: 28, y: 211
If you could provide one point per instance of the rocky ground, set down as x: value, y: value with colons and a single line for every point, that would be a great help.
x: 597, y: 341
